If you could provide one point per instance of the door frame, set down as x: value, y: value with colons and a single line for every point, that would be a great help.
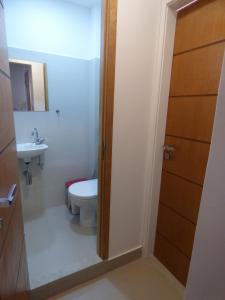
x: 107, y: 83
x: 158, y: 117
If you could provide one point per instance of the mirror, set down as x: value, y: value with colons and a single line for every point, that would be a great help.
x: 28, y: 80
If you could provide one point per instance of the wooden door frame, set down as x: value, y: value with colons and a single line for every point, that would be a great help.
x: 158, y: 115
x: 108, y: 57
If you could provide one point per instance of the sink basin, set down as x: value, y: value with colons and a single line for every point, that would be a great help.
x: 27, y: 151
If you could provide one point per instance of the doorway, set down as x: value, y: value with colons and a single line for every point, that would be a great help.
x: 47, y: 177
x: 187, y: 121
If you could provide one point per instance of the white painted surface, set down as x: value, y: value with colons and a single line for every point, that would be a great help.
x: 52, y: 26
x: 95, y: 30
x: 143, y: 64
x: 207, y: 270
x: 137, y: 34
x: 94, y: 94
x: 88, y: 3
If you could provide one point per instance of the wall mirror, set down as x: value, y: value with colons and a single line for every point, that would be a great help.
x: 29, y: 86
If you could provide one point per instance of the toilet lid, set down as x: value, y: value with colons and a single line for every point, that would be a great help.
x: 85, y: 189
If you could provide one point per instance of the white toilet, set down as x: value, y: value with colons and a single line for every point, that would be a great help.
x: 83, y: 197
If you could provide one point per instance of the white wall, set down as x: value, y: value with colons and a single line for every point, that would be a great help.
x: 94, y: 95
x: 73, y: 88
x: 137, y: 33
x: 207, y: 270
x: 53, y: 26
x: 70, y: 136
x: 95, y: 32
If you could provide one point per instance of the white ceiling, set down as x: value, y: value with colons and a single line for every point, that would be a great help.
x: 87, y: 3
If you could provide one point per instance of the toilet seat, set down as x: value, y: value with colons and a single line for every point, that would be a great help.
x: 85, y: 189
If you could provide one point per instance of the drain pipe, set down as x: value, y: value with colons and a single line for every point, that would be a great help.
x: 27, y: 174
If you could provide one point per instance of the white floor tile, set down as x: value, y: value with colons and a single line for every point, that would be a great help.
x: 140, y: 280
x: 57, y: 246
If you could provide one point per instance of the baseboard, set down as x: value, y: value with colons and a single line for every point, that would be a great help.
x: 61, y: 285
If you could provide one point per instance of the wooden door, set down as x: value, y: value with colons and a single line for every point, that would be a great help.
x: 13, y: 264
x: 197, y: 61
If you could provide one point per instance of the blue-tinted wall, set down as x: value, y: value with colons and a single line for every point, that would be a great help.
x: 66, y: 37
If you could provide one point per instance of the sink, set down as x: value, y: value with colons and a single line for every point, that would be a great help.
x: 26, y: 151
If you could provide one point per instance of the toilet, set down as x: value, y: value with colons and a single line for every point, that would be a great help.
x: 83, y: 197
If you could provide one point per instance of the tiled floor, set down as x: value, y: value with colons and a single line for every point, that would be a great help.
x: 144, y: 279
x: 58, y: 246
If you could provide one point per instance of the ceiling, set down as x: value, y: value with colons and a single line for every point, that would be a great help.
x: 87, y: 3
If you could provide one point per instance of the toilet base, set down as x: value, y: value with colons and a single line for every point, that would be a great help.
x: 75, y: 209
x: 87, y: 216
x: 83, y: 199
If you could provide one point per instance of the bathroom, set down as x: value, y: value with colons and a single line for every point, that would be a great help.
x: 62, y: 38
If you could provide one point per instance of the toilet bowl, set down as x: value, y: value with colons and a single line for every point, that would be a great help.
x: 83, y: 199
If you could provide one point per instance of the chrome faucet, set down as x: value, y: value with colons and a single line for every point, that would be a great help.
x: 35, y: 137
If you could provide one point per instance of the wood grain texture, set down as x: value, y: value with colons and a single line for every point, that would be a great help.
x: 190, y: 159
x: 197, y: 72
x: 10, y: 257
x: 191, y: 117
x: 172, y: 259
x: 8, y: 176
x: 197, y: 62
x: 4, y: 65
x: 106, y: 123
x: 176, y: 229
x: 12, y: 233
x: 23, y: 279
x: 7, y: 133
x: 180, y: 195
x: 199, y: 25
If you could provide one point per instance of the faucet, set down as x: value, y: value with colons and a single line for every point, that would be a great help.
x: 35, y: 137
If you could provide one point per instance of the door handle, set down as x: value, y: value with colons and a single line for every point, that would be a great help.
x: 8, y: 200
x: 168, y: 153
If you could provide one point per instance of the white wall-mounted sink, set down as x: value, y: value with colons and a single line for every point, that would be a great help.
x: 26, y: 151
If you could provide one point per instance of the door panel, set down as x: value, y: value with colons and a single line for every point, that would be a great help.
x: 13, y: 270
x: 4, y: 66
x: 190, y: 159
x: 173, y: 259
x: 10, y: 257
x: 23, y: 280
x: 191, y: 117
x: 197, y: 63
x: 197, y: 72
x: 179, y: 231
x: 8, y: 176
x: 200, y: 25
x: 181, y: 195
x: 7, y: 133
